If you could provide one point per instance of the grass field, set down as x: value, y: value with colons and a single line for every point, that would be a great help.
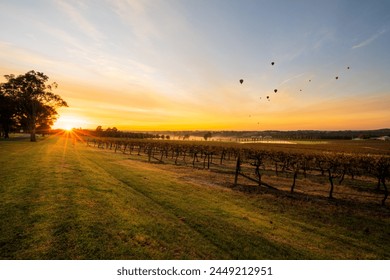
x: 60, y: 199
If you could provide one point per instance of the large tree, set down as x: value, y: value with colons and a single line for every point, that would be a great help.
x: 35, y: 103
x: 7, y: 112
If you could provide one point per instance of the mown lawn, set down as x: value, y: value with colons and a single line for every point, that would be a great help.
x: 60, y: 199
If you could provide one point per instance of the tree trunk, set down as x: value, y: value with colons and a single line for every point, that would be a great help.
x: 342, y: 178
x: 162, y: 155
x: 331, y: 184
x: 238, y: 168
x: 6, y: 130
x: 32, y: 134
x: 177, y: 156
x: 258, y: 173
x: 386, y: 191
x: 222, y: 156
x: 293, y: 184
x: 32, y: 122
x: 149, y: 154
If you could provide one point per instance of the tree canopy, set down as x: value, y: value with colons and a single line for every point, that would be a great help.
x: 27, y: 101
x: 208, y: 135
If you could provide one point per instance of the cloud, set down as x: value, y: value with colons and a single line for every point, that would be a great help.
x: 11, y: 54
x: 79, y: 20
x: 138, y: 15
x: 292, y: 78
x: 370, y: 40
x: 324, y: 37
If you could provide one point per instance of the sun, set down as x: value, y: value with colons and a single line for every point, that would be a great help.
x: 68, y: 122
x: 67, y: 127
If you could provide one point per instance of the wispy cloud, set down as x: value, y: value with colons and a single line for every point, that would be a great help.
x: 94, y: 60
x: 292, y: 78
x: 80, y: 20
x: 137, y: 15
x: 12, y: 53
x: 369, y: 40
x: 323, y: 37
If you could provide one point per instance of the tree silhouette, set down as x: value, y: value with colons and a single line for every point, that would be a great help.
x: 207, y: 136
x: 7, y: 112
x: 35, y: 103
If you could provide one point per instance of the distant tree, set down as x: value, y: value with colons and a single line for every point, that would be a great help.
x: 35, y: 102
x: 99, y: 130
x: 115, y: 132
x: 207, y: 136
x: 111, y: 132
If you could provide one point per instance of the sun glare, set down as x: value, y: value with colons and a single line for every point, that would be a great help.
x: 67, y: 127
x: 69, y: 122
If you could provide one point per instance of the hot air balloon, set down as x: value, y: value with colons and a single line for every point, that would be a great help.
x: 267, y: 97
x: 309, y: 80
x: 337, y: 77
x: 348, y: 67
x: 272, y: 63
x: 275, y: 90
x: 241, y: 81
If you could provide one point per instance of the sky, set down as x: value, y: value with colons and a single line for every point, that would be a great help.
x: 176, y: 64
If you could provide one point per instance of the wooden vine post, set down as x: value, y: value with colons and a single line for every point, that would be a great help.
x: 238, y: 169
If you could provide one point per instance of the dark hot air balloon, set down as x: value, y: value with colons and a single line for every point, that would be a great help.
x: 241, y: 81
x: 275, y: 90
x: 272, y: 63
x: 337, y: 77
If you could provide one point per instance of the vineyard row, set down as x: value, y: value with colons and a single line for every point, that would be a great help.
x: 251, y: 163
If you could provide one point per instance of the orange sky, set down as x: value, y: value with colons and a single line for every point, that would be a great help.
x: 146, y: 110
x: 154, y: 65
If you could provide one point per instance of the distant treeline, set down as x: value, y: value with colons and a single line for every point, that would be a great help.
x: 266, y: 134
x: 292, y: 135
x: 116, y: 133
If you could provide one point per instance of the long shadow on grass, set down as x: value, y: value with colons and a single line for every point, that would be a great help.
x: 302, y: 196
x: 233, y: 241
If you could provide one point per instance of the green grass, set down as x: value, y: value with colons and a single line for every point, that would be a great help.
x: 62, y: 200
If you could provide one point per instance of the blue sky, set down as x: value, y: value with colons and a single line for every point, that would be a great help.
x: 176, y: 64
